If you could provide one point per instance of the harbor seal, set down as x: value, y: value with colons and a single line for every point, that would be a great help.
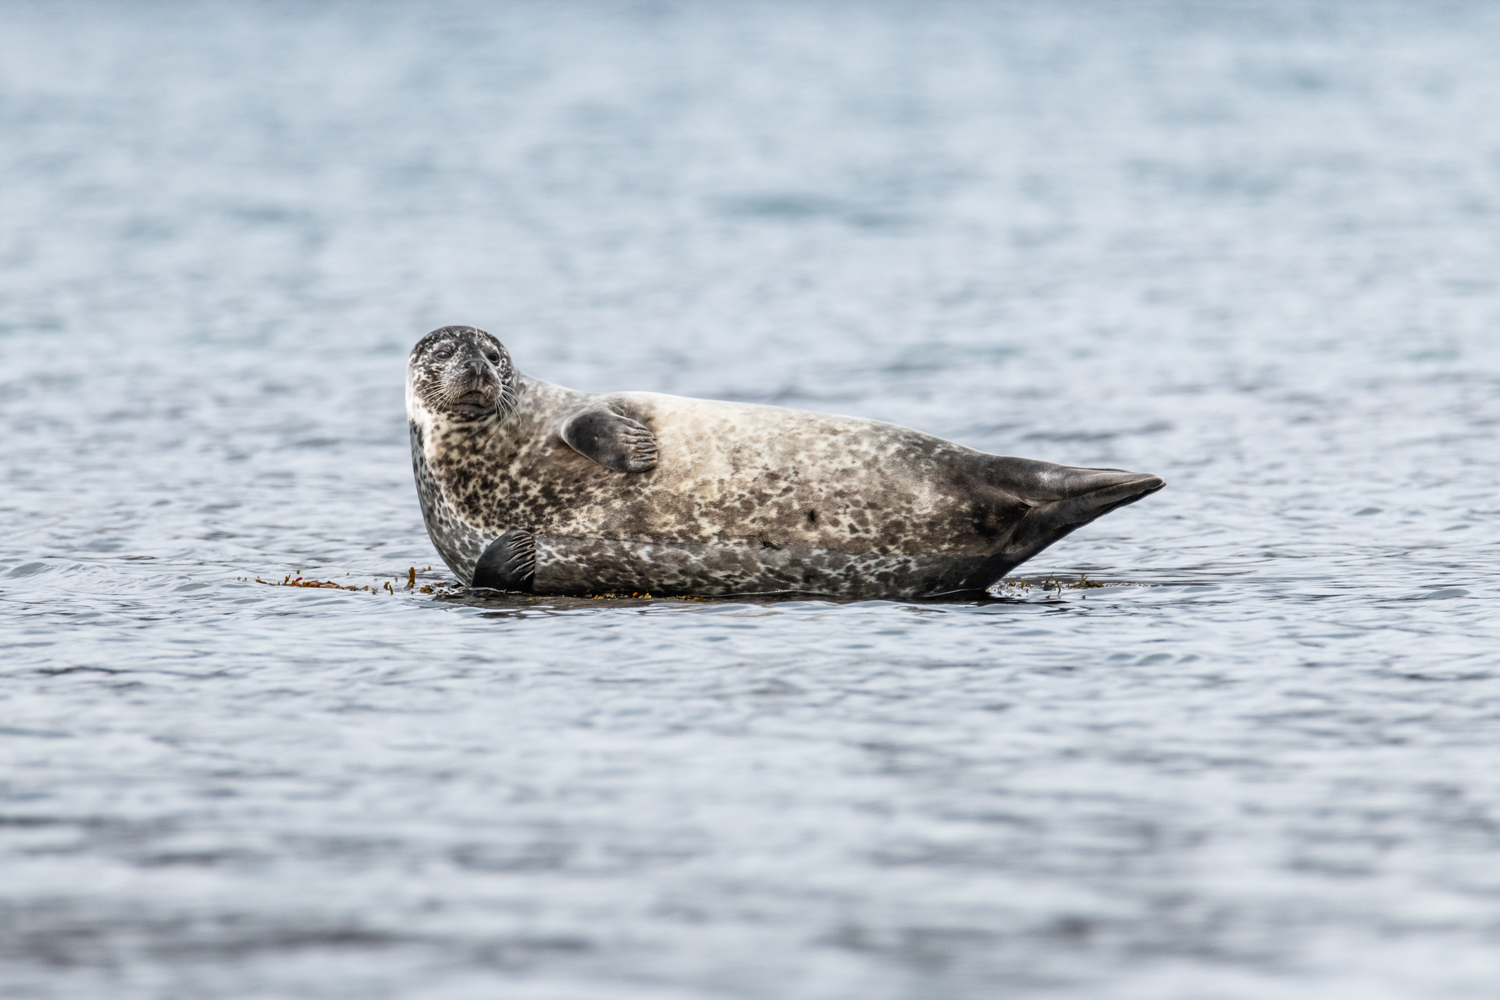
x: 530, y: 486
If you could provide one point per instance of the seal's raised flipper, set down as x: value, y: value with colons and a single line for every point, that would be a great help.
x: 508, y: 564
x: 612, y: 439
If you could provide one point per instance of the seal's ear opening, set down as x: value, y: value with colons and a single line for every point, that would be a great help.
x: 1078, y: 497
x: 509, y: 563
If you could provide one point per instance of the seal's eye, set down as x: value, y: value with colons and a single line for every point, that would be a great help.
x: 494, y: 357
x: 442, y: 354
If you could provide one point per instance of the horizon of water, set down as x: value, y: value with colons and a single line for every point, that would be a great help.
x: 1249, y: 247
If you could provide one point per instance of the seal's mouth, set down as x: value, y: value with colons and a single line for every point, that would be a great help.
x: 473, y: 402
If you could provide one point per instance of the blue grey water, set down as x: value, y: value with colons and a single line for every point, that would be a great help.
x: 1253, y: 248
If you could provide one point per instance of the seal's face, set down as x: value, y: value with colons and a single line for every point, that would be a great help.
x: 461, y: 373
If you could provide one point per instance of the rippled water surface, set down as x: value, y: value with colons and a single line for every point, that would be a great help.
x: 1252, y: 248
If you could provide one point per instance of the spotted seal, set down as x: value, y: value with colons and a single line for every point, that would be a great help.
x: 530, y: 486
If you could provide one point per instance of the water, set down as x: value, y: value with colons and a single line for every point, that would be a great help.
x: 1251, y: 248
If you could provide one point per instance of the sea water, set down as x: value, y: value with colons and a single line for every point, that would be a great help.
x: 1249, y: 247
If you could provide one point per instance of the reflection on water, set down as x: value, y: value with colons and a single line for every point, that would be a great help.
x: 1248, y: 247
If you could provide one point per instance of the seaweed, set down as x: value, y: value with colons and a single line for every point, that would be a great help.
x: 301, y: 581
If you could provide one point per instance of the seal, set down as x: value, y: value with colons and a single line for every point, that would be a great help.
x: 529, y: 486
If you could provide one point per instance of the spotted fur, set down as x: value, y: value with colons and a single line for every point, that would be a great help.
x: 741, y: 499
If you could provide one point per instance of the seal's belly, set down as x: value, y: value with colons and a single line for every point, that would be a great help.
x: 585, y: 566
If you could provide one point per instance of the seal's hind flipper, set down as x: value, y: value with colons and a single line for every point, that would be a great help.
x: 508, y: 564
x: 1064, y: 498
x: 613, y: 440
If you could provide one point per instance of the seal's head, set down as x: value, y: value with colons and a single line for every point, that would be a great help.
x: 460, y: 373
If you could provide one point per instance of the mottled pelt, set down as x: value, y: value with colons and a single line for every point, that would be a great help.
x: 577, y: 493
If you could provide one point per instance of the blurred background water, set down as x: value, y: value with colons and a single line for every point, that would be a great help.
x: 1250, y: 247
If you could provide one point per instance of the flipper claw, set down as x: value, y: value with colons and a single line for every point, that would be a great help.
x: 612, y: 439
x: 508, y: 564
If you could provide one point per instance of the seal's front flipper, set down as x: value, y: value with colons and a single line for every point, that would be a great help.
x: 508, y: 564
x: 613, y: 440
